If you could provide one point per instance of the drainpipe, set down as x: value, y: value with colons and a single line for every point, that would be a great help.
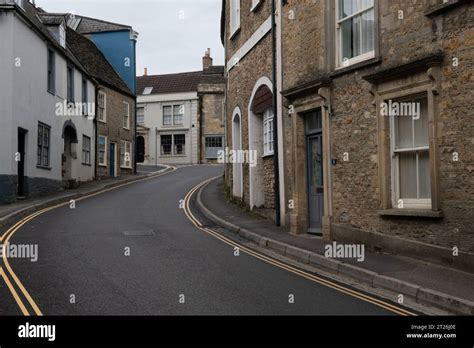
x: 276, y: 172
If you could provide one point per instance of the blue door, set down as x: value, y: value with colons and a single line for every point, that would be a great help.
x: 112, y: 160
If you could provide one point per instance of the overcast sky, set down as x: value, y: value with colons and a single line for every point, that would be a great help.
x: 174, y: 34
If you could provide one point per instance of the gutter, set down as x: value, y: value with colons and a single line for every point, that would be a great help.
x: 276, y: 169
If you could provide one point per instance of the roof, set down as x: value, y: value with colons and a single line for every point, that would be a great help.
x: 181, y: 82
x: 95, y: 62
x: 92, y: 25
x: 34, y: 16
x: 48, y: 19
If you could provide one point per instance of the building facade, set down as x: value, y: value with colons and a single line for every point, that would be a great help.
x: 47, y: 106
x: 115, y: 123
x: 180, y: 116
x: 375, y: 126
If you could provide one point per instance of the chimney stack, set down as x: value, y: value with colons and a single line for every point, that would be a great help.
x: 146, y: 72
x: 207, y: 60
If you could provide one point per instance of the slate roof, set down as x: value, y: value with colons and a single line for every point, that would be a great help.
x: 181, y: 82
x: 89, y: 25
x: 95, y: 62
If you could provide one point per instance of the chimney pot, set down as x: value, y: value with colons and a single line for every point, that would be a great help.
x: 146, y: 72
x: 207, y: 60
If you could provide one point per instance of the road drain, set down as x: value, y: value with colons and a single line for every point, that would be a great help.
x: 139, y: 233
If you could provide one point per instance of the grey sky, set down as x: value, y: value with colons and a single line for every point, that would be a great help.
x: 174, y: 34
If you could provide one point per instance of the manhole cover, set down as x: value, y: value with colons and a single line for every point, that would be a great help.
x: 139, y: 233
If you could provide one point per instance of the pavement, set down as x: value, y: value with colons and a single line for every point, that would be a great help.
x: 134, y: 250
x: 427, y: 284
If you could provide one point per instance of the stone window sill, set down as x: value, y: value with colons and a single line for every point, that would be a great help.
x: 439, y: 9
x: 43, y: 167
x: 425, y: 213
x: 357, y: 66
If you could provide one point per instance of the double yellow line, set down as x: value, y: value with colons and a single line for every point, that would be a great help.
x: 4, y: 239
x: 388, y: 306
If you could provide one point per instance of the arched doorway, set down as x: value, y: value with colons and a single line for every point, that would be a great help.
x: 260, y: 103
x: 69, y: 154
x: 237, y: 147
x: 140, y: 149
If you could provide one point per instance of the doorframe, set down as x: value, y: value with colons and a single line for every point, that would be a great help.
x: 115, y: 157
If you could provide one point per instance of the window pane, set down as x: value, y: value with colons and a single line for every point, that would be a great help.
x: 179, y: 144
x: 424, y: 174
x: 367, y: 32
x: 421, y: 125
x: 408, y: 179
x: 178, y: 114
x: 166, y: 144
x: 167, y: 115
x: 403, y: 132
x: 346, y: 37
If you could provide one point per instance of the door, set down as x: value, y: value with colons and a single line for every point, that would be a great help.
x: 112, y: 160
x: 315, y: 183
x: 140, y: 149
x: 21, y: 161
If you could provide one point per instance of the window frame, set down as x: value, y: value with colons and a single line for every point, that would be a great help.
x: 175, y: 152
x: 102, y: 164
x: 126, y: 116
x: 123, y: 163
x: 40, y: 147
x: 138, y: 115
x: 87, y: 152
x: 408, y: 203
x: 234, y: 17
x: 104, y: 114
x: 268, y: 133
x: 51, y: 70
x: 70, y: 85
x: 162, y: 153
x: 338, y: 37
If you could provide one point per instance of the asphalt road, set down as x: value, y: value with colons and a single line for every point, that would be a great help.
x: 82, y: 256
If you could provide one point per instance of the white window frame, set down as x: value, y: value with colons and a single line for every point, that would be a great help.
x: 422, y: 203
x: 234, y: 17
x: 102, y: 164
x: 62, y: 36
x: 268, y: 129
x: 181, y: 107
x: 163, y: 116
x: 126, y: 115
x: 87, y: 152
x: 255, y: 4
x: 361, y: 58
x: 127, y: 145
x: 104, y: 114
x: 140, y: 108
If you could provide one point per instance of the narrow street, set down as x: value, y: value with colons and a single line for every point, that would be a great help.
x: 83, y: 269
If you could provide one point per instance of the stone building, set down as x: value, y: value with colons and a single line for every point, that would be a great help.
x: 246, y: 35
x: 377, y: 140
x: 115, y: 121
x: 180, y: 116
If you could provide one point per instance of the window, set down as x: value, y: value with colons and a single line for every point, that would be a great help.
x: 140, y: 115
x: 43, y: 145
x: 179, y: 144
x: 410, y: 155
x: 268, y: 132
x: 213, y: 145
x: 102, y: 148
x: 51, y: 71
x: 355, y: 31
x: 234, y: 16
x: 166, y: 144
x: 178, y: 111
x: 101, y: 107
x: 167, y: 115
x: 126, y: 115
x: 147, y: 90
x: 70, y: 84
x: 125, y: 154
x: 84, y: 96
x: 62, y: 36
x: 86, y: 150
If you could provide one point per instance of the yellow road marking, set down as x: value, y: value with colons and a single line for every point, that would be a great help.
x: 14, y: 293
x: 330, y: 284
x: 11, y: 231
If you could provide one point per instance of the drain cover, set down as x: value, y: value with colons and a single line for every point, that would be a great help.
x: 139, y: 233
